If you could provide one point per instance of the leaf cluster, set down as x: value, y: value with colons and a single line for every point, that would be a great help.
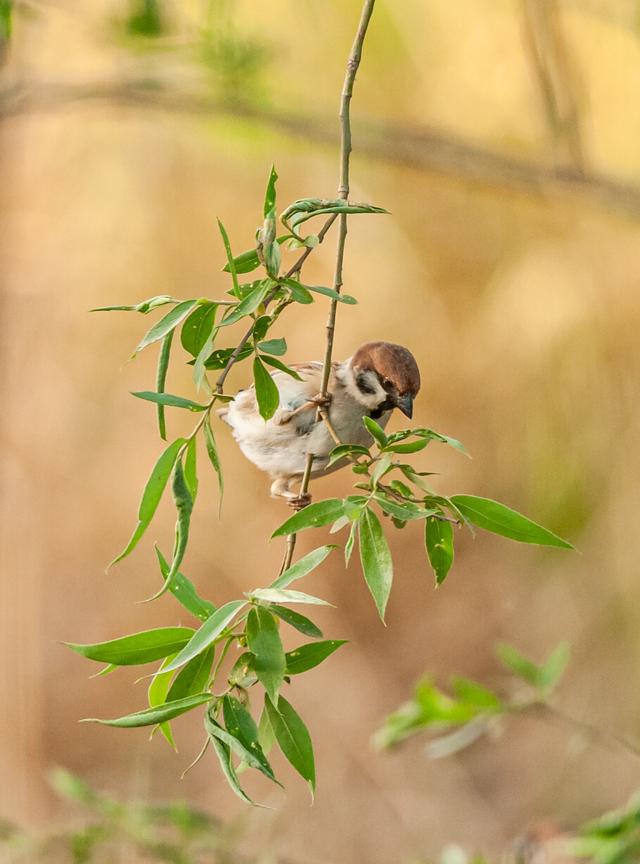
x: 455, y: 719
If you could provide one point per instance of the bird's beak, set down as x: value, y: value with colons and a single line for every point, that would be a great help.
x: 405, y: 404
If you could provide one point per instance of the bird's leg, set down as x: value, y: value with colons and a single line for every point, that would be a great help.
x: 297, y: 501
x: 281, y: 488
x: 321, y: 400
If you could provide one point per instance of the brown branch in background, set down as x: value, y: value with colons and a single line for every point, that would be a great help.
x: 547, y: 51
x: 343, y: 191
x: 420, y: 148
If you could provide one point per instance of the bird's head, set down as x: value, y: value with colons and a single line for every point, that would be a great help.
x: 384, y: 376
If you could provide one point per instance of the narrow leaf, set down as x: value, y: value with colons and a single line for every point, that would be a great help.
x: 184, y: 591
x: 293, y: 738
x: 170, y: 399
x: 278, y: 347
x: 208, y: 633
x: 438, y: 538
x: 157, y: 695
x: 241, y: 726
x: 493, y: 516
x: 167, y: 324
x: 230, y: 262
x: 197, y: 328
x: 263, y: 640
x: 137, y: 648
x: 267, y: 393
x: 152, y: 495
x: 193, y: 678
x: 158, y: 714
x: 300, y: 622
x: 375, y: 558
x: 307, y: 656
x: 223, y: 753
x: 376, y: 431
x: 248, y: 305
x: 313, y: 516
x: 212, y: 452
x: 302, y: 567
x: 282, y: 367
x: 279, y: 595
x: 161, y: 377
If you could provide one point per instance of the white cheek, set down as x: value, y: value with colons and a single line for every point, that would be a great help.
x: 368, y: 400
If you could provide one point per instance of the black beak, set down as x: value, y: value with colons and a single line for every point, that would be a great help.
x: 405, y: 404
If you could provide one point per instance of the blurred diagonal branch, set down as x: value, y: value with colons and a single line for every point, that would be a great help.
x: 423, y: 148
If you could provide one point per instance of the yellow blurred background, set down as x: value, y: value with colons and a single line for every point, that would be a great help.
x: 503, y: 137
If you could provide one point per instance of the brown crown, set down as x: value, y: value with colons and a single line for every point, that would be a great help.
x: 390, y: 361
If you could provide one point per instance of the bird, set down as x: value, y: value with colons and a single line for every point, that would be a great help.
x: 378, y: 377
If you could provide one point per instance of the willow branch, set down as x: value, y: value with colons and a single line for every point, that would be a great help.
x: 343, y: 192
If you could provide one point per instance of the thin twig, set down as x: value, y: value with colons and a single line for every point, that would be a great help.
x: 343, y: 191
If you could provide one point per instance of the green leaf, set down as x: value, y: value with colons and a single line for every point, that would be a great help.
x: 306, y: 208
x: 432, y: 435
x: 184, y: 591
x: 273, y: 346
x: 167, y: 324
x: 406, y: 511
x: 493, y: 516
x: 249, y: 305
x: 438, y: 538
x: 278, y: 364
x: 197, y: 328
x: 223, y: 753
x: 170, y: 399
x: 248, y: 261
x: 375, y: 558
x: 190, y: 469
x: 266, y: 735
x: 161, y: 377
x: 343, y: 450
x: 218, y: 359
x: 158, y: 714
x: 212, y: 628
x: 267, y: 393
x: 193, y: 677
x: 144, y: 307
x: 157, y: 695
x: 348, y: 546
x: 302, y: 567
x: 300, y: 622
x: 314, y: 516
x: 307, y: 656
x: 241, y: 726
x: 212, y: 452
x: 554, y: 667
x: 299, y: 293
x: 183, y: 501
x: 293, y: 738
x: 376, y: 431
x: 408, y: 446
x: 380, y: 468
x: 270, y: 193
x: 231, y: 267
x: 137, y: 648
x: 477, y: 696
x: 152, y: 495
x: 279, y: 595
x: 263, y: 640
x: 518, y: 663
x: 294, y: 285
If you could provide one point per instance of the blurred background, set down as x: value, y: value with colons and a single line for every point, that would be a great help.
x: 502, y: 136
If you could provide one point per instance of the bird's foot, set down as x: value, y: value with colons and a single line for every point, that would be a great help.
x: 321, y: 400
x: 299, y: 502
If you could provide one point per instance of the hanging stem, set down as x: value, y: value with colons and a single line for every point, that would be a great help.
x: 343, y: 192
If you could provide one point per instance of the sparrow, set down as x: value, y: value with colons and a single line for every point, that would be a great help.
x: 377, y: 378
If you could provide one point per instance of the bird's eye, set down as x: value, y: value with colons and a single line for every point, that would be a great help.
x: 387, y: 383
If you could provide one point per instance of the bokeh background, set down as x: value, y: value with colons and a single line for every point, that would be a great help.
x: 503, y: 137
